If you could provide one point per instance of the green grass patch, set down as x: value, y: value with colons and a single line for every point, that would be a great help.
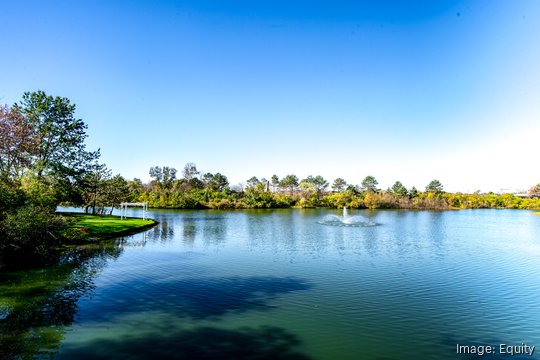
x: 105, y: 225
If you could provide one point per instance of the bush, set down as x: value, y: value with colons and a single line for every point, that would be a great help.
x: 28, y: 235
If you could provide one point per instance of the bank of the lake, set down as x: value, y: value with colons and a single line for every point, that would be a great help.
x: 92, y: 227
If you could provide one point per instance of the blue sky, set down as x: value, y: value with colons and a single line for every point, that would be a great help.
x: 409, y: 91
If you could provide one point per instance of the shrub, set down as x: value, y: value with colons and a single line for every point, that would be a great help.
x: 28, y: 235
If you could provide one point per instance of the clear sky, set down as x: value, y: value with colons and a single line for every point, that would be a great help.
x: 401, y: 90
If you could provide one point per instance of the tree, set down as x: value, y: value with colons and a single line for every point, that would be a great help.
x: 164, y: 177
x: 339, y: 184
x: 309, y: 194
x: 413, y: 193
x: 252, y: 182
x: 169, y: 176
x: 220, y: 182
x: 116, y: 190
x: 94, y: 187
x: 215, y: 182
x: 135, y: 188
x: 18, y: 144
x: 61, y: 151
x: 191, y: 179
x: 399, y: 189
x: 369, y: 184
x: 289, y: 182
x: 156, y: 174
x: 190, y: 171
x: 534, y: 191
x: 275, y: 182
x: 434, y: 187
x: 318, y: 183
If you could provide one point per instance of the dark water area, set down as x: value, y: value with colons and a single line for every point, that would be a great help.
x: 280, y: 284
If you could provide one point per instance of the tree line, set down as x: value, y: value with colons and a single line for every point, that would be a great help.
x: 198, y: 190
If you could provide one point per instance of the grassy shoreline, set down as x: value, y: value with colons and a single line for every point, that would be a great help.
x: 86, y: 226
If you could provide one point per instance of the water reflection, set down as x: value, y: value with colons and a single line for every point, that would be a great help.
x: 189, y: 232
x: 259, y: 343
x: 197, y: 298
x: 164, y: 231
x: 38, y: 303
x: 214, y: 231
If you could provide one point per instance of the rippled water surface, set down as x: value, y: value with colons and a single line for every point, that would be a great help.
x: 277, y: 284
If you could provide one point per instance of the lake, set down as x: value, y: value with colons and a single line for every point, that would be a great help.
x: 277, y: 284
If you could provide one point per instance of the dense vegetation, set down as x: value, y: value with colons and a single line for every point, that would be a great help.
x: 44, y: 163
x: 195, y: 190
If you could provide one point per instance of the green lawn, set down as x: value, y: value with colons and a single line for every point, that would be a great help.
x: 106, y: 225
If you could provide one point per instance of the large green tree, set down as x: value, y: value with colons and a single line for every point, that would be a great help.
x: 116, y: 191
x: 318, y: 183
x: 289, y: 182
x: 95, y: 186
x: 339, y: 184
x: 61, y: 150
x: 215, y: 182
x: 369, y: 184
x: 399, y: 189
x: 164, y: 177
x: 434, y: 187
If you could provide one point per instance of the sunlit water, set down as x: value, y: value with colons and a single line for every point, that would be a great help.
x: 277, y: 284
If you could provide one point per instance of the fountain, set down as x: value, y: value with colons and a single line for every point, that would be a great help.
x: 346, y: 220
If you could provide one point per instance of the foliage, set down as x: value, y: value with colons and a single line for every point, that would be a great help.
x: 535, y: 191
x: 93, y: 186
x: 42, y: 192
x: 311, y: 192
x: 289, y: 182
x: 318, y: 183
x: 164, y: 177
x: 275, y: 182
x: 18, y: 143
x: 399, y: 189
x: 60, y: 149
x: 27, y: 235
x: 434, y: 187
x: 215, y: 182
x: 369, y: 184
x: 339, y: 184
x: 10, y: 198
x: 190, y: 171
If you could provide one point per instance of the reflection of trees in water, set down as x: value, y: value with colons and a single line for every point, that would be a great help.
x: 39, y: 302
x: 196, y: 298
x: 200, y: 343
x: 164, y: 231
x: 275, y: 230
x: 214, y: 231
x: 212, y: 228
x: 189, y: 232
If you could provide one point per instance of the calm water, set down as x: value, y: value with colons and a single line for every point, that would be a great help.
x: 278, y: 285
